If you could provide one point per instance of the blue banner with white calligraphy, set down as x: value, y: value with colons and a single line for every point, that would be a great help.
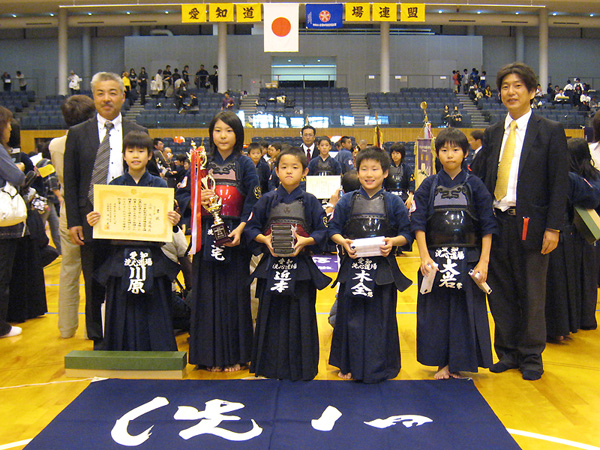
x: 275, y: 415
x: 324, y: 16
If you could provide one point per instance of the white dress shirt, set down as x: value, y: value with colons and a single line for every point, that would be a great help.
x: 115, y: 165
x: 510, y: 200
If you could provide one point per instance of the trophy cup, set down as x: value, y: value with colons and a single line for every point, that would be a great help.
x: 219, y: 228
x: 423, y: 106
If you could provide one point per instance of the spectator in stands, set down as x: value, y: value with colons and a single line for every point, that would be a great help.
x: 22, y: 81
x: 344, y: 156
x: 488, y: 92
x: 577, y: 83
x: 228, y: 103
x: 185, y: 74
x: 214, y: 79
x: 456, y: 80
x: 561, y: 97
x: 143, y: 82
x: 7, y: 82
x: 75, y: 109
x: 167, y: 76
x: 176, y: 76
x: 127, y: 84
x: 550, y: 93
x: 133, y: 78
x: 482, y: 80
x: 465, y: 81
x: 201, y: 79
x: 456, y: 118
x: 157, y: 84
x: 446, y: 116
x: 74, y: 83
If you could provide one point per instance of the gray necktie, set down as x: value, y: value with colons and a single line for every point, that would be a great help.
x: 100, y: 173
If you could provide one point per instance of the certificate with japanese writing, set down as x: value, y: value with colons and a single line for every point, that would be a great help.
x: 323, y: 186
x: 133, y: 213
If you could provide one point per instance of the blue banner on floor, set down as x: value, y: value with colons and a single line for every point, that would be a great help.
x: 276, y: 415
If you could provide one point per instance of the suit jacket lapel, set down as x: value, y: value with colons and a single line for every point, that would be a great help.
x: 530, y: 135
x: 494, y: 160
x: 92, y: 135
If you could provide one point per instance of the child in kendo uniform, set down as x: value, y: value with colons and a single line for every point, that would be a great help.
x: 286, y: 340
x: 138, y: 275
x: 324, y: 164
x: 453, y: 224
x: 365, y: 343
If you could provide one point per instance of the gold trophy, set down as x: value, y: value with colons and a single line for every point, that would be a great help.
x: 215, y: 203
x: 424, y: 108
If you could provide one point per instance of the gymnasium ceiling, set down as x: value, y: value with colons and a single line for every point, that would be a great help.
x: 24, y: 9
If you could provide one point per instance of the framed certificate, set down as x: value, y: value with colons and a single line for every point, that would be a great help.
x: 133, y: 213
x: 323, y: 187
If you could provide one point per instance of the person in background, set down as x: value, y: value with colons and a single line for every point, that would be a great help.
x: 75, y: 109
x: 13, y: 174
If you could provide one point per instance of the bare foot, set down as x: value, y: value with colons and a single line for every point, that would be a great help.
x: 233, y: 368
x: 443, y: 373
x: 456, y: 375
x: 345, y: 376
x: 215, y: 369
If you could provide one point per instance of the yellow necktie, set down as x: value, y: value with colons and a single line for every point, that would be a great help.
x: 505, y: 163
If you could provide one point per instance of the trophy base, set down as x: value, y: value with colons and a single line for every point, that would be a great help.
x: 221, y: 234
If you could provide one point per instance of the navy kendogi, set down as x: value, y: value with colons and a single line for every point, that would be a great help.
x: 365, y: 339
x: 452, y: 323
x: 286, y: 340
x: 138, y: 305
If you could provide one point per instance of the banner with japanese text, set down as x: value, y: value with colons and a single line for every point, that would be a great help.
x: 248, y: 12
x: 324, y: 16
x: 358, y: 12
x: 385, y: 12
x: 220, y: 12
x: 193, y: 13
x: 412, y: 12
x: 274, y: 415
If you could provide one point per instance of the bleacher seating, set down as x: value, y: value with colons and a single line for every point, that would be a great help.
x: 403, y: 108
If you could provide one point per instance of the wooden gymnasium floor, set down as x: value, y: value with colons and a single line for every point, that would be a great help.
x: 561, y: 411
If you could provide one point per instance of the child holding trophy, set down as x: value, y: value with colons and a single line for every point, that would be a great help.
x: 221, y: 322
x: 287, y: 222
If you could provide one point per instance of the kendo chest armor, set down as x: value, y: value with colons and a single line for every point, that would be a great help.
x: 323, y: 167
x: 453, y: 222
x: 368, y: 218
x: 227, y: 187
x: 289, y: 214
x: 394, y: 179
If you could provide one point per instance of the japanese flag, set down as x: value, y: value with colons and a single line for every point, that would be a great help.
x: 281, y: 27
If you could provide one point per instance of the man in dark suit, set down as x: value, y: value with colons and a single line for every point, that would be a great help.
x: 475, y: 142
x: 309, y: 134
x: 524, y: 164
x: 82, y: 147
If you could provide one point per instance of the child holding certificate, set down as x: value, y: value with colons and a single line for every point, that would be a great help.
x: 285, y: 222
x: 453, y: 223
x: 365, y: 343
x: 138, y: 275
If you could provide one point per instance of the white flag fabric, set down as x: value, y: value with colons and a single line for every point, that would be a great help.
x: 281, y: 27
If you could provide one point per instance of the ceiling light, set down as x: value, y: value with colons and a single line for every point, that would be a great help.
x: 89, y: 14
x: 478, y: 12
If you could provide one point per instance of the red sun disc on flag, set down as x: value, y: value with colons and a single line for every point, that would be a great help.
x: 324, y: 16
x: 281, y: 27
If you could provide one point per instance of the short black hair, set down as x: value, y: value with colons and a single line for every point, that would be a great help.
x: 452, y: 136
x: 294, y: 151
x: 376, y: 154
x: 322, y: 138
x: 181, y: 157
x: 477, y: 135
x: 138, y: 139
x: 398, y: 147
x: 276, y: 145
x: 523, y: 71
x: 308, y: 127
x: 263, y: 144
x: 345, y: 138
x: 350, y: 181
x: 156, y: 141
x: 253, y: 146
